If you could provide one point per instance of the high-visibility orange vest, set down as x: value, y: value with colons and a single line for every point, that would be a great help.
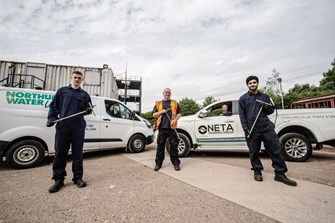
x: 159, y: 107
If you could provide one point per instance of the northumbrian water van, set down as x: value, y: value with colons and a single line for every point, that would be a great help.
x: 25, y: 140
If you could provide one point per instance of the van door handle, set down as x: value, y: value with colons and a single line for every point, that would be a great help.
x: 106, y: 119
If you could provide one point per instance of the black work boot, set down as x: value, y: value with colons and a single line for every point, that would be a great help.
x: 258, y: 175
x: 57, y: 186
x: 176, y: 167
x: 157, y: 167
x: 281, y: 177
x: 80, y: 183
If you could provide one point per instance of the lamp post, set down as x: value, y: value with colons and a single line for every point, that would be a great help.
x: 281, y: 92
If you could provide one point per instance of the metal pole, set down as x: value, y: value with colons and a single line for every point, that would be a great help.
x: 70, y: 116
x: 256, y: 119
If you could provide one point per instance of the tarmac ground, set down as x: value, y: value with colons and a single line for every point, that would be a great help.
x: 122, y: 187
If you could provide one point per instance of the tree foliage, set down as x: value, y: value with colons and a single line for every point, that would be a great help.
x: 188, y: 106
x: 209, y: 100
x: 148, y: 116
x: 273, y: 88
x: 299, y: 91
x: 327, y: 84
x: 303, y: 91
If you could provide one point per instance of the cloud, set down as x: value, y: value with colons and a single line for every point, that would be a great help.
x: 197, y: 48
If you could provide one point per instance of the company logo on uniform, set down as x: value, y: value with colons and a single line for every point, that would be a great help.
x: 216, y: 129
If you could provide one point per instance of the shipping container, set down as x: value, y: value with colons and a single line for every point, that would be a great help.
x: 32, y: 75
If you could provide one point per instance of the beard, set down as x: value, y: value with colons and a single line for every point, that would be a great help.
x: 252, y: 88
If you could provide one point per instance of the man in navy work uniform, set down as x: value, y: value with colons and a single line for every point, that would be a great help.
x: 167, y: 112
x: 69, y: 100
x: 262, y: 131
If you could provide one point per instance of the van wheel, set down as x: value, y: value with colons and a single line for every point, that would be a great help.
x: 25, y: 154
x: 184, y: 145
x: 136, y: 144
x: 295, y: 147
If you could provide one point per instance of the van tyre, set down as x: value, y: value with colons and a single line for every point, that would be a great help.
x: 136, y: 143
x: 25, y: 154
x: 184, y: 146
x: 295, y: 147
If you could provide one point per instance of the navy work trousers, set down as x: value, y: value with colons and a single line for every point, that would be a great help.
x: 63, y: 140
x: 163, y: 135
x: 271, y: 143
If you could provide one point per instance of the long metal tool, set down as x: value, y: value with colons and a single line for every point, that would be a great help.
x: 260, y: 110
x: 253, y: 125
x: 70, y: 116
x: 173, y: 128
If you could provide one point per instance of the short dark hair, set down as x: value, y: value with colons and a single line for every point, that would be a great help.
x: 251, y: 78
x: 77, y: 72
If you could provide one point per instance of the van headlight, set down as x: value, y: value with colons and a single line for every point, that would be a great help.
x: 147, y: 123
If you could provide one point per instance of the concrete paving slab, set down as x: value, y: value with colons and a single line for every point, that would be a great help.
x: 307, y: 202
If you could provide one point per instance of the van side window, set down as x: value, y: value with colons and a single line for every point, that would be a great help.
x: 113, y: 109
x: 124, y: 112
x: 217, y: 109
x: 117, y: 110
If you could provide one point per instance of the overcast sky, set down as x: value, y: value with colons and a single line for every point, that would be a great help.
x: 197, y: 48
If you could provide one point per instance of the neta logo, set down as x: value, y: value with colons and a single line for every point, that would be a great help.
x: 216, y: 129
x: 202, y: 129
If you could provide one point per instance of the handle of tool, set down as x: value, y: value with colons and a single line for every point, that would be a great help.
x: 253, y: 125
x: 70, y: 116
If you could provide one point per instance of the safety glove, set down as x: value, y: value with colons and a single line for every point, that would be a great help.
x: 247, y: 133
x: 88, y: 111
x: 265, y: 106
x: 50, y: 123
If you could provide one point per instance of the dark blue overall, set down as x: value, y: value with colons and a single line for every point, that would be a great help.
x: 69, y: 101
x: 262, y: 132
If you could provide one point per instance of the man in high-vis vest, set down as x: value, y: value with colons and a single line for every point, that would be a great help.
x: 167, y: 112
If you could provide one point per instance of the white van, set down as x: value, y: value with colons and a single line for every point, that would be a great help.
x: 25, y: 140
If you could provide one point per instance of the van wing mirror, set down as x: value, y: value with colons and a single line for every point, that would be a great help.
x: 132, y: 115
x: 203, y: 113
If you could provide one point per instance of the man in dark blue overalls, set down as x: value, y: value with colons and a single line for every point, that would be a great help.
x: 69, y: 100
x: 263, y: 131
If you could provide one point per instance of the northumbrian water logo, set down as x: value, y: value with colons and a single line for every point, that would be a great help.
x: 27, y: 98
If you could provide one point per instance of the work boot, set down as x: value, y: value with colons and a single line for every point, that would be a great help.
x: 258, y: 175
x: 57, y: 186
x: 176, y: 167
x: 80, y: 183
x: 157, y: 167
x: 281, y: 177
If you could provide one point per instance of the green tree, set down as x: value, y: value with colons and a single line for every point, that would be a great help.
x: 207, y: 101
x: 188, y: 106
x: 273, y: 88
x: 327, y: 84
x: 299, y: 92
x: 147, y: 115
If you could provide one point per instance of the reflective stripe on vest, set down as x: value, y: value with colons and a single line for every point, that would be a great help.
x: 159, y: 107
